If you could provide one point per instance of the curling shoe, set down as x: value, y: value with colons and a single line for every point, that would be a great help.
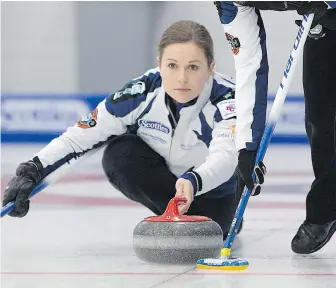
x: 312, y: 237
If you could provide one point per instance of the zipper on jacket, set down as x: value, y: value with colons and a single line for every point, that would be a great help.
x: 173, y: 123
x: 172, y: 120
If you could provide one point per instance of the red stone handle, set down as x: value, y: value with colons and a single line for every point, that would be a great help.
x: 172, y: 213
x: 172, y: 207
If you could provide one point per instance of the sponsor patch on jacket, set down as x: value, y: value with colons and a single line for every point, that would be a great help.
x: 234, y: 43
x: 89, y: 121
x: 153, y: 125
x: 227, y: 108
x: 152, y: 137
x: 229, y: 133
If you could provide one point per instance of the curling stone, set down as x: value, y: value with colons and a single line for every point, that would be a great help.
x: 175, y: 238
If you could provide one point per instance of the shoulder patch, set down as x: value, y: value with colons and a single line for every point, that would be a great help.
x: 234, y: 43
x: 131, y: 89
x: 88, y: 121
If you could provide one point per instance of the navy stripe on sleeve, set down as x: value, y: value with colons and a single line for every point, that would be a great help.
x: 259, y: 110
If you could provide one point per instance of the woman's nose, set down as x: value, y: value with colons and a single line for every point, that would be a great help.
x: 182, y: 76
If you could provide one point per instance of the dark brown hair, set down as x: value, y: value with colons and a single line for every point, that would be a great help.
x: 188, y: 31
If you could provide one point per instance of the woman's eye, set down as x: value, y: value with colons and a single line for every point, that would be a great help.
x: 172, y: 65
x: 193, y: 67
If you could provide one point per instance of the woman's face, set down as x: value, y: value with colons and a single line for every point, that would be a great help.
x: 184, y: 71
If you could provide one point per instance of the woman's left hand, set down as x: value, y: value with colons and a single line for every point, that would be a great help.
x: 184, y: 189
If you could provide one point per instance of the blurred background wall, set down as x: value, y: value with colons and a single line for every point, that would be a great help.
x: 59, y: 59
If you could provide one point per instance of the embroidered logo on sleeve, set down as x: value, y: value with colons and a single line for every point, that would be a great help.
x: 132, y: 89
x: 227, y: 108
x: 234, y: 42
x: 89, y: 121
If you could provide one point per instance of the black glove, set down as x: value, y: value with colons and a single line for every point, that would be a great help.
x: 245, y: 170
x: 19, y: 188
x: 319, y: 8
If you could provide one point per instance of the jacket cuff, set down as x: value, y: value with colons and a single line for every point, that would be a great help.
x: 195, y: 180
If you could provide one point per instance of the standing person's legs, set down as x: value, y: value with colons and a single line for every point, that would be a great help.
x: 319, y: 82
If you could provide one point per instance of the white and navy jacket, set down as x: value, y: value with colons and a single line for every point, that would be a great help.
x: 196, y: 140
x: 245, y: 32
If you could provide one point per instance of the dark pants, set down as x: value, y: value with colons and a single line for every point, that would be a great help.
x: 319, y: 83
x: 142, y: 175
